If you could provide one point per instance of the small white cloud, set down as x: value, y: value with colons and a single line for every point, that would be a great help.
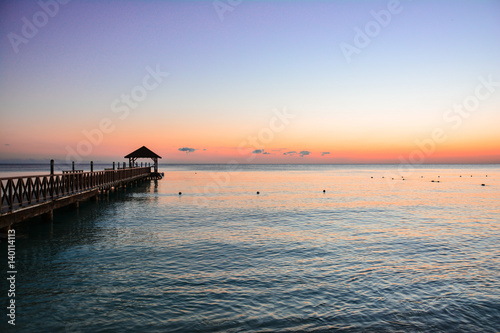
x: 304, y: 153
x: 187, y: 150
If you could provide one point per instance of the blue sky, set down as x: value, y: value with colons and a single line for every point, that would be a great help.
x: 226, y: 75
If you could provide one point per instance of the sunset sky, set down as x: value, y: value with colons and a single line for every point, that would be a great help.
x: 251, y: 81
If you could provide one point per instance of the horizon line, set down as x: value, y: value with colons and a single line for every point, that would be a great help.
x: 7, y: 162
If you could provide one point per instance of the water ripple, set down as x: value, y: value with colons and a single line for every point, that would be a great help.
x: 405, y: 258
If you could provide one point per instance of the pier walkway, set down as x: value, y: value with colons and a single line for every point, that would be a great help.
x: 29, y: 196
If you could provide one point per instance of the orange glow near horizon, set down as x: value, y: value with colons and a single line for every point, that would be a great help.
x: 112, y: 148
x: 219, y: 145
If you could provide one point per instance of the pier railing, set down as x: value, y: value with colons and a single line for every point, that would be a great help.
x: 18, y: 192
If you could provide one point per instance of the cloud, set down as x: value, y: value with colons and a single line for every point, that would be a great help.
x: 304, y: 153
x: 301, y: 153
x: 260, y: 151
x: 325, y: 153
x: 187, y: 150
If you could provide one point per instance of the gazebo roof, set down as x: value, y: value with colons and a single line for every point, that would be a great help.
x: 143, y: 152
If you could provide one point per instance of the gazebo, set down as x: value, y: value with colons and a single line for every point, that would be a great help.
x: 143, y: 152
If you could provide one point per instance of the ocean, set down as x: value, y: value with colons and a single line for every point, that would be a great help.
x: 321, y: 248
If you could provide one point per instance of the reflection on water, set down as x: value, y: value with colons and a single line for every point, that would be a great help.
x: 369, y: 254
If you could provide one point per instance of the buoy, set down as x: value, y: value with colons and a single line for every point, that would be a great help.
x: 324, y: 191
x: 483, y: 185
x: 180, y: 193
x: 432, y: 181
x: 371, y: 177
x: 258, y: 192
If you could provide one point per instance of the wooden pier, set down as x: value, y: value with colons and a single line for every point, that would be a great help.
x: 29, y: 196
x: 25, y: 197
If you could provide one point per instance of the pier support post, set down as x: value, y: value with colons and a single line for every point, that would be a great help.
x: 73, y: 166
x: 51, y: 167
x: 113, y: 165
x: 91, y: 166
x: 48, y: 217
x: 75, y: 205
x: 155, y: 160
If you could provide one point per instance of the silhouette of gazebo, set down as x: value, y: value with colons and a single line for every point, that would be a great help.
x: 143, y: 152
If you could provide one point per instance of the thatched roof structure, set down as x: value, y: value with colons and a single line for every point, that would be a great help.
x: 142, y: 152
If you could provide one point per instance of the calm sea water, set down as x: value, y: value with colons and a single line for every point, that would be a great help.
x: 368, y: 255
